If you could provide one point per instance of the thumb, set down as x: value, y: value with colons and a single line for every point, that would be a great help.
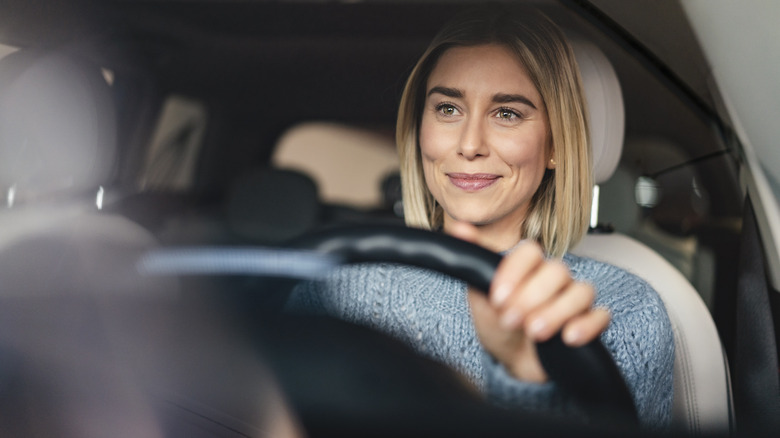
x: 464, y: 231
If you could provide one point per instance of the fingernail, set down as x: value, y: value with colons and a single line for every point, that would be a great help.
x: 571, y: 337
x: 536, y: 327
x: 500, y: 295
x: 511, y: 319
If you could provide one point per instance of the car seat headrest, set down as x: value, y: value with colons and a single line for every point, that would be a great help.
x: 605, y: 108
x: 272, y: 205
x: 348, y: 162
x: 57, y: 124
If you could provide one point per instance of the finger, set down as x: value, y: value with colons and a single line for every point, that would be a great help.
x: 513, y: 270
x: 574, y: 301
x: 511, y: 348
x: 585, y: 328
x: 485, y: 320
x: 464, y: 231
x: 547, y: 282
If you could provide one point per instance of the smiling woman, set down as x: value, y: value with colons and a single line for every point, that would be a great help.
x: 493, y: 143
x: 485, y: 146
x: 695, y: 96
x: 538, y: 77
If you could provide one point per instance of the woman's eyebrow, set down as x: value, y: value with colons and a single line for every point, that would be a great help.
x: 447, y: 91
x: 509, y: 98
x: 497, y: 98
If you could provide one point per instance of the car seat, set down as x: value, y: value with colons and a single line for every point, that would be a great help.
x: 67, y: 267
x: 57, y: 149
x: 674, y: 206
x: 347, y: 162
x: 702, y: 397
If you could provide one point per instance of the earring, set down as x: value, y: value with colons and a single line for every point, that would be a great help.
x: 552, y: 161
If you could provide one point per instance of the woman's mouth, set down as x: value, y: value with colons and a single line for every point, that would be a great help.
x: 472, y: 182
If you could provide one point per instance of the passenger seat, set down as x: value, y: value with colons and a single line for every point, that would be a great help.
x: 57, y: 149
x: 702, y: 394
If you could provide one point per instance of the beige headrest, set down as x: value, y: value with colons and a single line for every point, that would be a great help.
x: 605, y: 108
x: 57, y: 124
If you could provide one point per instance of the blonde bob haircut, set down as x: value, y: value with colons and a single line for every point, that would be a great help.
x: 559, y: 211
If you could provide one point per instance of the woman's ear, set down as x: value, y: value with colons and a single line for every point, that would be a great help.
x: 551, y: 162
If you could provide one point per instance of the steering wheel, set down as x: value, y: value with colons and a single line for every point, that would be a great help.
x: 587, y: 372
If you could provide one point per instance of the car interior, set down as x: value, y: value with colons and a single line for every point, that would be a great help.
x: 136, y: 126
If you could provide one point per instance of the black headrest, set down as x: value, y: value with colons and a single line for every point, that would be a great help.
x: 272, y: 205
x: 57, y: 124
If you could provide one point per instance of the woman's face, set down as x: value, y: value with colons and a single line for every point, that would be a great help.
x: 484, y: 138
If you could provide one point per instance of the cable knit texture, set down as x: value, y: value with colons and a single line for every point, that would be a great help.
x: 430, y: 312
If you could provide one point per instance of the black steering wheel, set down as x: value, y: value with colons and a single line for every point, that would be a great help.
x: 587, y: 372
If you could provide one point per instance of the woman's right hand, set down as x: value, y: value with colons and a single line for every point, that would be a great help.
x: 531, y: 298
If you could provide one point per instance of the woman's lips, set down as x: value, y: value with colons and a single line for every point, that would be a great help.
x: 472, y: 182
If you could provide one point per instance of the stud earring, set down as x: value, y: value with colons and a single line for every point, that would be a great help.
x: 552, y: 161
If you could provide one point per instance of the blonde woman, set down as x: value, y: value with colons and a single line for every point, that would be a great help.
x: 493, y: 139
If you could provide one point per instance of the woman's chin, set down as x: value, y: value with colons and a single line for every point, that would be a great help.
x: 471, y: 218
x: 475, y: 215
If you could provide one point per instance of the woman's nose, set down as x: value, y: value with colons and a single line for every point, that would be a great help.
x: 472, y: 139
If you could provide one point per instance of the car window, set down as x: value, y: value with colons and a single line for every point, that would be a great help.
x: 6, y: 50
x: 662, y: 206
x: 173, y: 150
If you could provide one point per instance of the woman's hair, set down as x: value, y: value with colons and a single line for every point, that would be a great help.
x: 559, y: 211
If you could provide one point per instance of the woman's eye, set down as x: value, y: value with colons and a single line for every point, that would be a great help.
x: 447, y: 109
x: 506, y: 114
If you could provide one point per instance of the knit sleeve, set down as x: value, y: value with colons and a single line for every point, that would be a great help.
x: 426, y: 310
x: 430, y: 313
x: 504, y: 390
x: 639, y: 337
x: 306, y: 298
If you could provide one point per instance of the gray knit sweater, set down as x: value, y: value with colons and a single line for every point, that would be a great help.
x: 430, y: 312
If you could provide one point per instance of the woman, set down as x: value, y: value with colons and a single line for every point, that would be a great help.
x: 493, y: 142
